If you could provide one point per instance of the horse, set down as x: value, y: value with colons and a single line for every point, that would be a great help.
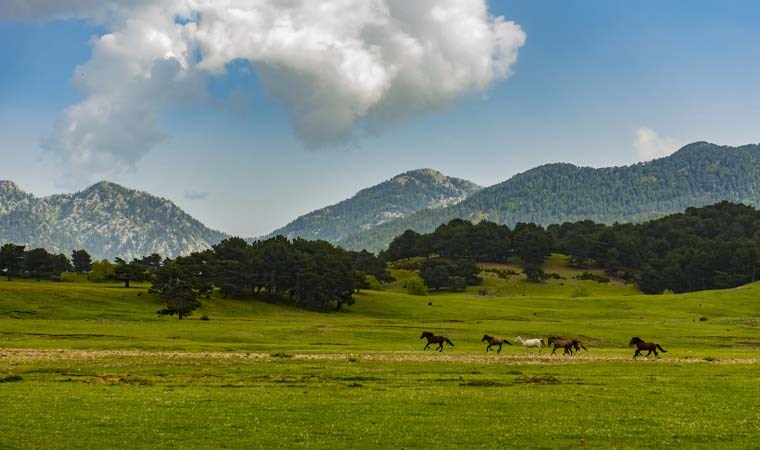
x: 574, y: 347
x: 578, y: 345
x: 494, y: 341
x: 641, y: 345
x: 433, y: 339
x: 530, y: 343
x: 559, y: 342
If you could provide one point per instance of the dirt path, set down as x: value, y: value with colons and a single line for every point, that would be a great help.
x: 26, y: 355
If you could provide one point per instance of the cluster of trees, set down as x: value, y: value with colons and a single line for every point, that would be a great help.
x: 38, y: 264
x: 712, y: 247
x: 311, y: 274
x: 459, y: 244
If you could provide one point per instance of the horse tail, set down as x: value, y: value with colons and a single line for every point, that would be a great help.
x: 452, y: 344
x: 583, y: 346
x: 661, y: 349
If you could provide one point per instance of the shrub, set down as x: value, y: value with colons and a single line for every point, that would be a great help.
x: 11, y: 379
x: 204, y: 318
x: 580, y: 292
x: 373, y: 284
x: 501, y: 273
x: 592, y: 277
x: 415, y: 286
x: 101, y: 271
x: 703, y: 319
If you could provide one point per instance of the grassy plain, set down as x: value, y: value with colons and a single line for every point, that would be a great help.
x: 91, y: 366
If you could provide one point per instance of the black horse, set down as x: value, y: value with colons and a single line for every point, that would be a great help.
x: 641, y: 345
x: 494, y: 341
x: 433, y: 339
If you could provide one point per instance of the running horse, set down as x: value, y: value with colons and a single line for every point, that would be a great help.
x: 641, y: 345
x: 494, y: 341
x: 567, y: 344
x: 433, y: 339
x: 530, y: 343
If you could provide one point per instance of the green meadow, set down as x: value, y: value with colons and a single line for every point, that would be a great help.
x: 86, y: 365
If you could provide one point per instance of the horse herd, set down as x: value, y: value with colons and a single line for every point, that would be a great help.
x: 570, y: 346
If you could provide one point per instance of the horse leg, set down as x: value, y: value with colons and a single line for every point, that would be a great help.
x: 656, y: 355
x: 488, y: 348
x: 440, y: 347
x: 554, y: 350
x: 426, y: 347
x: 499, y: 350
x: 638, y: 353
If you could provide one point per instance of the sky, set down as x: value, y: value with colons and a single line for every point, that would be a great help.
x: 249, y: 113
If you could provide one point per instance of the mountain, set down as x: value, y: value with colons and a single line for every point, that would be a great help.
x: 396, y: 198
x: 698, y: 174
x: 106, y: 219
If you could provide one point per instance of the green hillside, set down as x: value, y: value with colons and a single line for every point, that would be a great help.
x: 699, y: 174
x: 91, y: 366
x: 87, y: 316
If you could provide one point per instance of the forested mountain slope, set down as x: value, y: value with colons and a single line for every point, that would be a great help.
x: 698, y: 174
x: 396, y: 198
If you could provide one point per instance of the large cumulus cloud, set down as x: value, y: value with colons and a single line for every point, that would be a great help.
x: 340, y: 66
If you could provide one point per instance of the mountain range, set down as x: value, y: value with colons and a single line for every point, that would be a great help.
x: 109, y: 220
x: 105, y: 219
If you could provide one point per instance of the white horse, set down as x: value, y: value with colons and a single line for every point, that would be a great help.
x: 530, y: 343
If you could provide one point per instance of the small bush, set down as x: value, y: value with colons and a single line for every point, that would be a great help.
x: 580, y: 292
x: 281, y: 355
x: 11, y: 379
x: 373, y: 284
x: 711, y: 359
x: 703, y: 319
x: 415, y: 286
x: 501, y: 273
x: 591, y: 277
x: 204, y: 318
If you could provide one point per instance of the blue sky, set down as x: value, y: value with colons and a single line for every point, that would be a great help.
x: 589, y: 76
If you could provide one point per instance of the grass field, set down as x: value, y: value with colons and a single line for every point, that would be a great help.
x: 91, y: 366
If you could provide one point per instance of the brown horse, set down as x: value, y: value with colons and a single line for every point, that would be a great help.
x: 559, y: 342
x: 567, y: 344
x: 641, y: 345
x: 433, y: 339
x: 494, y: 341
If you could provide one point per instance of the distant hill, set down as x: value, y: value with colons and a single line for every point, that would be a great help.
x: 396, y: 198
x: 106, y: 219
x: 698, y: 174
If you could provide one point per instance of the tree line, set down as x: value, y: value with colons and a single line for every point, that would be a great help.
x: 711, y: 247
x: 310, y: 274
x: 18, y: 262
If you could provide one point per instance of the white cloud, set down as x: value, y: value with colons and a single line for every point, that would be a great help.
x: 340, y: 66
x: 650, y: 145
